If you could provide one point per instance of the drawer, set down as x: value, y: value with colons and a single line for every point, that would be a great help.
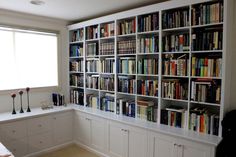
x: 39, y: 125
x: 39, y: 142
x: 13, y: 130
x: 17, y: 147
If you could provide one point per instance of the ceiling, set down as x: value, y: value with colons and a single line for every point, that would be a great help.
x: 73, y: 10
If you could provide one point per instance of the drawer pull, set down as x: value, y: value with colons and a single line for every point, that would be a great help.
x: 40, y: 142
x: 13, y: 131
x: 40, y: 125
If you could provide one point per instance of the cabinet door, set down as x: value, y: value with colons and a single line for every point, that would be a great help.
x: 116, y: 140
x: 62, y: 127
x: 194, y: 149
x: 17, y: 147
x: 137, y: 142
x: 82, y: 129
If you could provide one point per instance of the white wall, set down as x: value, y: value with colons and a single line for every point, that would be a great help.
x: 43, y: 94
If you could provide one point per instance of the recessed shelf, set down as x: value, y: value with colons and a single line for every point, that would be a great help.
x: 91, y: 40
x: 94, y: 89
x: 108, y: 91
x: 144, y: 54
x: 147, y: 96
x: 76, y: 72
x: 148, y: 75
x: 175, y: 76
x: 177, y: 29
x: 208, y: 25
x: 77, y: 87
x: 171, y: 99
x: 205, y: 103
x: 107, y: 38
x: 77, y: 42
x: 126, y: 35
x: 207, y: 51
x: 206, y: 77
x: 126, y: 93
x: 149, y: 32
x: 77, y: 57
x: 177, y: 52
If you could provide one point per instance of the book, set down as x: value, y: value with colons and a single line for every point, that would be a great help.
x: 107, y: 30
x: 92, y: 32
x: 176, y: 43
x: 149, y: 22
x: 107, y: 48
x: 126, y: 26
x: 127, y: 46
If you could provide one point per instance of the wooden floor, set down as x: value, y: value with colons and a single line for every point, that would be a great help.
x: 70, y: 151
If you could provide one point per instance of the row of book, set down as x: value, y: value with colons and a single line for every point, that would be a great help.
x: 76, y: 51
x: 147, y: 87
x: 107, y: 30
x: 125, y: 107
x: 148, y: 66
x: 202, y: 120
x: 206, y: 90
x: 107, y: 48
x: 92, y: 49
x: 92, y: 101
x: 92, y: 81
x: 207, y: 13
x: 148, y: 23
x: 77, y: 35
x: 77, y: 80
x: 174, y: 116
x: 77, y: 66
x: 206, y: 67
x: 107, y: 83
x: 92, y: 32
x: 126, y: 65
x: 207, y: 40
x: 175, y: 19
x: 147, y: 110
x: 176, y: 67
x: 108, y: 65
x: 107, y: 103
x: 77, y: 97
x: 176, y: 43
x: 126, y: 27
x: 127, y: 46
x: 92, y: 65
x: 126, y: 85
x: 148, y: 44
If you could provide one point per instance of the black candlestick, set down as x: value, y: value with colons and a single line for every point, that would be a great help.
x: 27, y: 90
x: 21, y: 108
x: 13, y: 98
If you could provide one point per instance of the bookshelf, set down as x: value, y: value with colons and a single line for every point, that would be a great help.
x: 164, y: 64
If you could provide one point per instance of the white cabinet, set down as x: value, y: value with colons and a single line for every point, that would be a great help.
x: 163, y: 145
x: 39, y: 125
x: 62, y: 127
x: 126, y: 141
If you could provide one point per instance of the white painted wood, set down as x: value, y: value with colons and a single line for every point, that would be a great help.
x: 18, y: 147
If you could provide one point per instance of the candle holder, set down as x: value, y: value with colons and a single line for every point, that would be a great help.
x: 27, y: 90
x: 13, y: 95
x: 21, y: 108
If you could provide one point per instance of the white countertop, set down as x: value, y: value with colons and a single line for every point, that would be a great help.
x: 4, y: 151
x: 178, y: 132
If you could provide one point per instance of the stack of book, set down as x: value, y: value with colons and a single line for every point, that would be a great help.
x: 207, y: 13
x: 92, y: 101
x: 147, y: 87
x: 107, y: 30
x: 146, y: 110
x: 148, y: 66
x: 76, y: 97
x: 148, y: 44
x: 107, y: 48
x: 126, y: 107
x: 76, y: 51
x: 127, y: 46
x: 174, y: 116
x: 77, y: 66
x: 92, y: 65
x: 77, y: 80
x: 126, y: 84
x: 92, y: 49
x: 108, y: 65
x: 77, y: 35
x: 92, y: 81
x: 126, y: 27
x: 148, y: 23
x: 108, y: 103
x: 107, y: 83
x: 176, y: 43
x: 201, y: 120
x: 175, y: 89
x: 92, y: 32
x: 126, y: 65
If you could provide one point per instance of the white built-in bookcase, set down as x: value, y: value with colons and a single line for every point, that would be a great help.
x: 225, y: 80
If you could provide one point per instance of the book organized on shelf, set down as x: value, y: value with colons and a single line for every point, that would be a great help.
x: 206, y: 90
x: 108, y: 65
x: 148, y: 66
x: 92, y: 49
x: 92, y: 81
x: 92, y: 32
x: 149, y: 22
x: 126, y: 107
x: 174, y: 116
x: 77, y: 80
x: 107, y: 30
x: 175, y: 65
x: 146, y: 110
x: 206, y: 67
x: 77, y: 97
x: 203, y: 120
x: 148, y: 44
x: 108, y: 102
x: 147, y: 87
x: 76, y: 66
x: 92, y: 101
x: 207, y: 13
x: 127, y: 46
x: 107, y: 48
x: 126, y: 65
x: 77, y: 35
x: 76, y: 51
x: 175, y: 18
x: 175, y: 89
x: 126, y: 84
x: 176, y: 42
x: 107, y: 83
x: 126, y: 26
x: 92, y: 65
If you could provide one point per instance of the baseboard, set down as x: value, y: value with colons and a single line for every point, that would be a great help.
x: 90, y: 149
x: 51, y: 149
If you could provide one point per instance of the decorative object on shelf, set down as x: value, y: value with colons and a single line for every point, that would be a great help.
x: 54, y: 99
x: 58, y: 99
x: 13, y: 95
x: 27, y: 90
x: 21, y: 108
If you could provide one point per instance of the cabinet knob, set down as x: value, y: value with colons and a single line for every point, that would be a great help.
x: 40, y: 142
x: 40, y: 125
x: 13, y: 131
x: 55, y: 118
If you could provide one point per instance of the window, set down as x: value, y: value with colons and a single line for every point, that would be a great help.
x: 27, y: 59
